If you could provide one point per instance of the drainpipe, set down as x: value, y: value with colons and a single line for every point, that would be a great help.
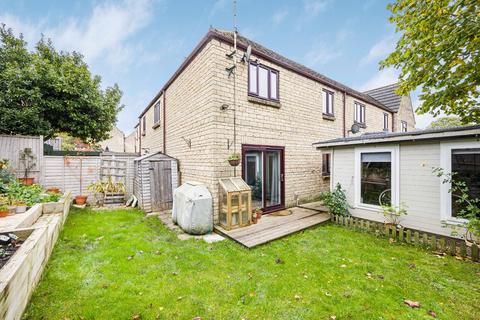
x: 164, y: 123
x: 140, y: 135
x: 344, y: 114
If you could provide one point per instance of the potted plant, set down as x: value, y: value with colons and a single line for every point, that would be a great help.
x: 234, y: 159
x: 21, y: 206
x: 27, y: 158
x: 53, y: 190
x: 394, y: 214
x: 258, y: 213
x: 80, y: 199
x: 4, y: 212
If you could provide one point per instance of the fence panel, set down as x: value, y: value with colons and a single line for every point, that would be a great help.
x: 10, y: 147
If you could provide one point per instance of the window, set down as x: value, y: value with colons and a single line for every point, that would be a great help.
x: 326, y: 164
x: 359, y: 113
x: 262, y: 82
x: 144, y: 125
x: 156, y: 113
x: 385, y: 122
x: 404, y: 126
x: 463, y: 159
x: 376, y: 177
x: 327, y: 102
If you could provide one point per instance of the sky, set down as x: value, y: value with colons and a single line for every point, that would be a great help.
x: 139, y: 44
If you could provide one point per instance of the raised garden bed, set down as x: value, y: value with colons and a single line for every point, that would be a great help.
x: 10, y: 242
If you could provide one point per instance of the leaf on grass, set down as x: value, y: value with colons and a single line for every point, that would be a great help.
x: 432, y: 313
x: 197, y: 318
x: 130, y: 257
x: 333, y: 317
x: 136, y: 317
x: 412, y: 265
x: 298, y: 297
x: 279, y: 261
x: 99, y: 238
x: 412, y: 304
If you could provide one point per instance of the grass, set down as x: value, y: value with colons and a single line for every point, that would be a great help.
x: 325, y: 271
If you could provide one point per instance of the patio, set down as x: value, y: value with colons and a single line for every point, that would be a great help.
x: 277, y: 225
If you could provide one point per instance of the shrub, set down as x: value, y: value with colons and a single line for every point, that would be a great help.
x: 336, y: 201
x: 394, y: 214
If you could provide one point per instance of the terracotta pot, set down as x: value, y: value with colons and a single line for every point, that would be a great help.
x: 4, y: 214
x: 259, y: 215
x: 53, y: 190
x: 234, y: 163
x: 26, y: 181
x: 254, y: 220
x: 80, y: 200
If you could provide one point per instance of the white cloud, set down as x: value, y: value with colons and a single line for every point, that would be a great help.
x: 323, y: 52
x: 382, y: 78
x: 380, y: 50
x: 314, y: 7
x: 217, y: 7
x: 30, y: 31
x: 279, y: 16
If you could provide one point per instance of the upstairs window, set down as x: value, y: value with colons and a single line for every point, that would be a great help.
x: 144, y: 125
x: 327, y: 102
x: 359, y: 116
x: 404, y: 126
x: 156, y: 113
x: 385, y: 122
x: 262, y: 82
x: 326, y: 164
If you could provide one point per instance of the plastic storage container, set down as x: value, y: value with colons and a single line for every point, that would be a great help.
x: 193, y: 208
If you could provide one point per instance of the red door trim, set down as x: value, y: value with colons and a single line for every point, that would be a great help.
x: 263, y: 148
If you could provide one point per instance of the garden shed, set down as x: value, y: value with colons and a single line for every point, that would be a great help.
x: 156, y: 176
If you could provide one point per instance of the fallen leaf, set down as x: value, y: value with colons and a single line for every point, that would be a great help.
x: 432, y: 313
x: 328, y: 294
x: 343, y: 266
x: 412, y: 304
x: 157, y: 252
x: 279, y: 261
x: 130, y: 257
x: 179, y: 298
x: 333, y: 317
x: 197, y: 318
x: 412, y: 265
x: 99, y: 238
x: 298, y: 297
x: 136, y: 317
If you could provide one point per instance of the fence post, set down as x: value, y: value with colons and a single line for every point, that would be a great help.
x: 434, y: 242
x: 453, y: 249
x: 442, y: 245
x: 409, y: 236
x: 400, y: 234
x: 463, y: 249
x: 474, y: 252
x: 416, y: 237
x: 425, y: 239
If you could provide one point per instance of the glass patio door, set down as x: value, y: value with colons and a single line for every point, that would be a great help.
x: 263, y: 172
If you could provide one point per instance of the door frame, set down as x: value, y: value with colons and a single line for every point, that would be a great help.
x: 263, y: 149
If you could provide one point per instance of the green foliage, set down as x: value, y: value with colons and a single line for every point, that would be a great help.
x: 27, y: 158
x: 446, y: 122
x: 394, y: 214
x: 470, y: 207
x: 234, y: 156
x: 120, y: 258
x: 107, y: 186
x: 336, y: 201
x: 6, y: 173
x: 30, y: 195
x: 53, y: 90
x: 439, y: 51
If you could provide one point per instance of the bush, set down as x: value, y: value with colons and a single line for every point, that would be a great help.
x: 336, y: 201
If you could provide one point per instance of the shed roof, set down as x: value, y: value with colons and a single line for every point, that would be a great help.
x: 234, y: 184
x: 387, y: 96
x: 385, y: 137
x: 149, y: 155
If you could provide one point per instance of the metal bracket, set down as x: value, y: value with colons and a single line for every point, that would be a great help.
x: 230, y: 70
x: 188, y: 142
x: 229, y: 144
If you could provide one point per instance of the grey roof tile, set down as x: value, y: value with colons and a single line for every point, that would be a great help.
x: 387, y: 96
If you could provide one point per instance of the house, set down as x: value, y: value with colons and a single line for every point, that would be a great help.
x: 397, y: 169
x: 118, y: 142
x: 280, y: 107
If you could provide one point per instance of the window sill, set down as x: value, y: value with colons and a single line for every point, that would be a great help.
x: 329, y: 117
x: 326, y: 175
x: 455, y: 221
x: 369, y: 207
x: 156, y: 125
x: 265, y: 102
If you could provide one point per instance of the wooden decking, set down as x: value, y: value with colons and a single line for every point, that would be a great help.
x: 277, y: 225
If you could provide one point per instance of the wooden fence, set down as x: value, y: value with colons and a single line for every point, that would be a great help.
x: 10, y: 148
x: 437, y: 243
x: 75, y: 173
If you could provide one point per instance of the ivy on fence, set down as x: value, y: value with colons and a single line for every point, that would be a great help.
x: 437, y: 243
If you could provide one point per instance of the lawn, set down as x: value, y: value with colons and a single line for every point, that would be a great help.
x: 120, y: 265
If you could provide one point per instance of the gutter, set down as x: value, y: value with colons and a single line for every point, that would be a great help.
x: 344, y: 114
x: 164, y: 123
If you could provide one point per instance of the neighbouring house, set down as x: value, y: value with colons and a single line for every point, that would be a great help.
x: 118, y: 142
x: 131, y: 143
x: 396, y: 169
x: 281, y: 107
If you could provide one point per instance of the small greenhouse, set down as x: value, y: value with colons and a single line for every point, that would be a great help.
x: 235, y: 203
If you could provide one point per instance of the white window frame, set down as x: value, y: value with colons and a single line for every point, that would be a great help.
x: 385, y: 121
x: 157, y: 107
x: 395, y: 173
x: 404, y: 126
x: 328, y: 102
x: 446, y: 164
x: 360, y: 113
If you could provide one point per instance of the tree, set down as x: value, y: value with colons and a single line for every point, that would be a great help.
x: 439, y: 51
x: 445, y: 122
x: 46, y: 92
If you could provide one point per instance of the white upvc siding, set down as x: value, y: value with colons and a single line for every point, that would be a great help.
x: 419, y: 188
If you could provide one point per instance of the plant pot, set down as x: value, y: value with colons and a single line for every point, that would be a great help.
x: 4, y: 213
x: 80, y: 200
x: 53, y: 190
x: 254, y: 219
x: 234, y: 163
x: 12, y: 210
x: 27, y: 181
x: 258, y: 215
x: 20, y: 209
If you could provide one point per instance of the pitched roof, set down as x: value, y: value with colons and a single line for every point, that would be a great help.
x: 267, y: 54
x: 273, y: 56
x: 387, y: 96
x: 383, y: 137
